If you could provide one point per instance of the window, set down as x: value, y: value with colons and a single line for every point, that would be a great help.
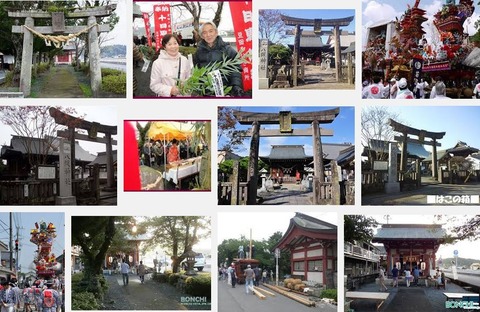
x: 299, y: 266
x: 315, y: 265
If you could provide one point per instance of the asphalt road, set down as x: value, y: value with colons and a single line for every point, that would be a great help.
x: 236, y: 300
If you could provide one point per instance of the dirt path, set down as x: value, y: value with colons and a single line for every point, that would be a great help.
x: 60, y: 82
x: 136, y: 296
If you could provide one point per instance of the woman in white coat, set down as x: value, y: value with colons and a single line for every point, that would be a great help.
x: 170, y: 68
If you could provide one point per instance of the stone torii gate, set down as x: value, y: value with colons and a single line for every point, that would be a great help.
x: 93, y: 128
x: 286, y: 119
x: 422, y: 134
x: 317, y: 29
x: 58, y: 27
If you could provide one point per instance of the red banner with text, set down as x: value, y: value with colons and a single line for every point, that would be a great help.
x: 242, y: 25
x: 162, y: 22
x: 148, y: 33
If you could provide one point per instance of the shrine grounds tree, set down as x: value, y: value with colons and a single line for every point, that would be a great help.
x: 359, y: 228
x: 374, y: 121
x: 271, y: 26
x: 94, y: 235
x: 264, y: 252
x: 35, y: 124
x: 226, y: 129
x: 176, y: 234
x: 195, y: 9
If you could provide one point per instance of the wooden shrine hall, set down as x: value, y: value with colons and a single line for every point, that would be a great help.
x: 411, y: 245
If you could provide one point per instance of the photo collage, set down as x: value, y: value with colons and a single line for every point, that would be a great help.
x: 122, y: 205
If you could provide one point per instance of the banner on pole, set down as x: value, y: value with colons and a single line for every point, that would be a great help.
x: 162, y: 22
x: 146, y: 19
x: 242, y: 25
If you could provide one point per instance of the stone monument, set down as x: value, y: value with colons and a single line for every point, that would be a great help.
x: 65, y: 175
x: 392, y: 185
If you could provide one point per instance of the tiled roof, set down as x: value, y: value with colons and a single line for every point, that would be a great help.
x: 409, y: 231
x: 287, y: 152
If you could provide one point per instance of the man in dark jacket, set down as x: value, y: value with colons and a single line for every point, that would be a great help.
x: 212, y: 49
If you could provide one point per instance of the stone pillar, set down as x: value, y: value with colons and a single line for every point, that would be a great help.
x: 263, y: 66
x: 335, y: 183
x: 235, y: 182
x: 65, y: 175
x: 27, y: 54
x: 71, y: 132
x: 110, y: 170
x: 338, y: 62
x: 252, y: 177
x: 94, y: 58
x: 403, y: 157
x: 350, y: 68
x: 418, y: 169
x: 319, y: 174
x: 296, y: 54
x: 392, y: 185
x: 434, y: 161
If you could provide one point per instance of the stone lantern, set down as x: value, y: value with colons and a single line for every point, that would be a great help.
x: 190, y: 256
x: 263, y: 175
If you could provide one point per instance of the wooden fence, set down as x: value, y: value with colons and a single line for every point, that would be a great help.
x: 42, y: 192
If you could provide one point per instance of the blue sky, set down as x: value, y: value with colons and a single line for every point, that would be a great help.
x: 459, y: 122
x: 343, y: 129
x: 320, y: 14
x: 374, y: 11
x: 25, y: 221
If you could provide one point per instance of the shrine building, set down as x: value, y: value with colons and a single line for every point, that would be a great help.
x: 411, y: 245
x: 312, y: 244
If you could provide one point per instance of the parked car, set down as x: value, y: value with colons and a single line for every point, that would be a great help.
x: 199, y: 262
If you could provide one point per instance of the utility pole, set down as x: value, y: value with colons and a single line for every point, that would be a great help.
x: 10, y: 246
x: 17, y: 248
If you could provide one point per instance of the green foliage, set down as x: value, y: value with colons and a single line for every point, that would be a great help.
x: 173, y: 278
x: 111, y: 72
x: 359, y: 228
x: 86, y: 89
x: 187, y: 50
x: 115, y: 83
x: 201, y: 82
x: 160, y: 277
x: 148, y: 52
x: 84, y: 301
x: 226, y: 167
x: 279, y: 53
x: 199, y: 285
x: 329, y: 293
x: 8, y: 79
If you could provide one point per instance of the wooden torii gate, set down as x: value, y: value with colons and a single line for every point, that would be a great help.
x: 286, y: 119
x: 58, y: 27
x: 317, y: 29
x: 93, y: 128
x: 422, y: 134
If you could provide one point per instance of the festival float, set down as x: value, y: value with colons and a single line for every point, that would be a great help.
x: 45, y: 261
x: 401, y: 48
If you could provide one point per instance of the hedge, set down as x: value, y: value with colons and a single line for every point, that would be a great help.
x: 115, y: 83
x: 84, y: 301
x: 199, y: 285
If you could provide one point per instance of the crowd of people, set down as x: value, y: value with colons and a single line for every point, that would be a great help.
x: 252, y: 276
x: 40, y: 295
x: 171, y: 68
x: 399, y: 88
x: 153, y: 154
x: 411, y: 277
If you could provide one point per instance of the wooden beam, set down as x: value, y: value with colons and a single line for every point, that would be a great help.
x: 83, y: 137
x: 247, y: 118
x: 277, y: 133
x: 264, y: 291
x: 74, y: 122
x: 101, y: 11
x: 290, y: 295
x: 414, y: 141
x: 409, y: 130
x: 68, y: 29
x: 257, y: 293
